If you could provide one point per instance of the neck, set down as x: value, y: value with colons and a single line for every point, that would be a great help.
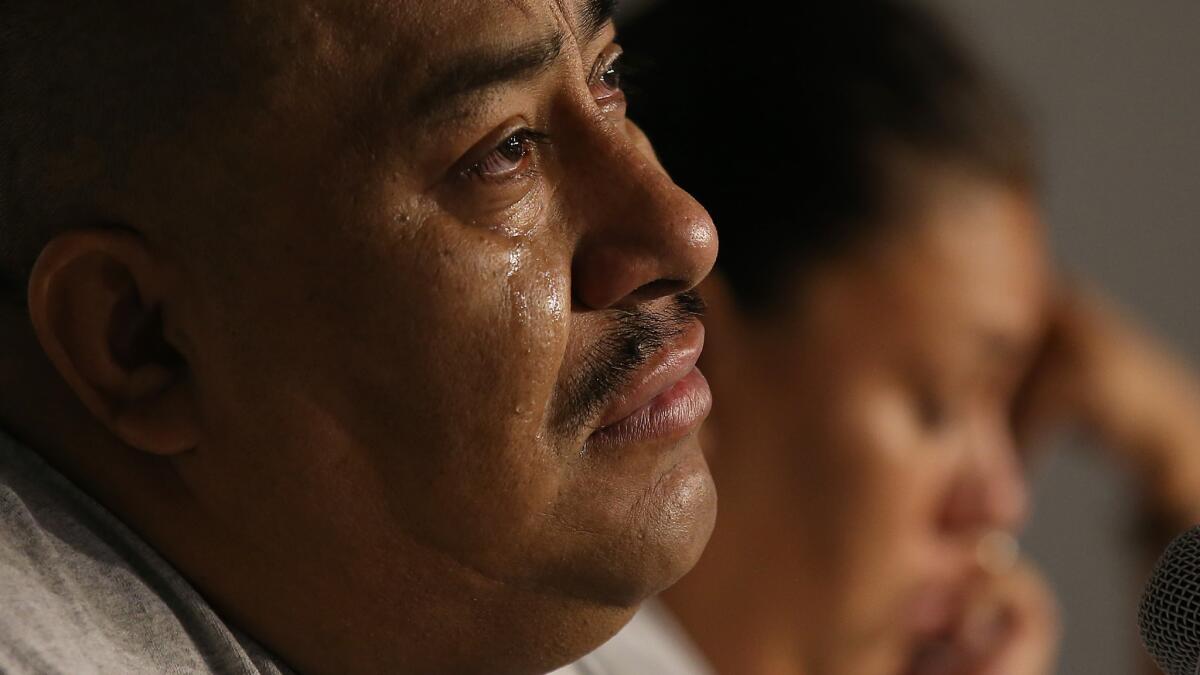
x: 736, y: 604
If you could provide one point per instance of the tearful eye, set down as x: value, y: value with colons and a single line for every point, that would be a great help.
x: 611, y: 78
x: 507, y: 156
x: 512, y: 157
x: 606, y: 78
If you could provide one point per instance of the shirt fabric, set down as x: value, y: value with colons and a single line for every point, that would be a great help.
x: 652, y: 643
x: 80, y: 593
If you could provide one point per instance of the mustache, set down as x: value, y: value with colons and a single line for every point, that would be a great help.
x: 609, y: 365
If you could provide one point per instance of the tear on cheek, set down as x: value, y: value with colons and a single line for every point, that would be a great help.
x: 554, y: 303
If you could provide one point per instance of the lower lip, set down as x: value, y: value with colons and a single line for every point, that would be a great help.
x: 931, y: 612
x: 669, y: 416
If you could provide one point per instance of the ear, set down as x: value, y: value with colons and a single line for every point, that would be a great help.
x: 96, y: 304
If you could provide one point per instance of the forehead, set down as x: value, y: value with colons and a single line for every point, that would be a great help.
x: 396, y: 57
x: 419, y: 31
x: 970, y: 263
x: 330, y: 78
x: 977, y: 249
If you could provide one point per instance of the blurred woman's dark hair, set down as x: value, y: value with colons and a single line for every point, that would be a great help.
x: 789, y: 129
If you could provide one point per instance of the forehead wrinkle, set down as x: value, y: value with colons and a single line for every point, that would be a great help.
x: 523, y: 7
x: 588, y: 18
x: 492, y: 66
x: 594, y: 15
x: 481, y: 69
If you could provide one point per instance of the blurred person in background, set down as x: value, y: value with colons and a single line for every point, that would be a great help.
x: 887, y: 338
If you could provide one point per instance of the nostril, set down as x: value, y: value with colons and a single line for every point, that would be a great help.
x: 659, y: 288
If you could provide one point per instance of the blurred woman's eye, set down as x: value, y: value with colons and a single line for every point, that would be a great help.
x: 933, y: 411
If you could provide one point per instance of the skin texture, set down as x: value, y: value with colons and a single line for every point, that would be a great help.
x: 877, y: 408
x: 327, y: 367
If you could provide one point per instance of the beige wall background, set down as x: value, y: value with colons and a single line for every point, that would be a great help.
x: 1113, y: 87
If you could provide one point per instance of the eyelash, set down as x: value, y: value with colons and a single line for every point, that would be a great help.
x: 614, y: 64
x: 525, y: 139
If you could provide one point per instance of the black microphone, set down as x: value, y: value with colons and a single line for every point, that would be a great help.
x: 1169, y: 616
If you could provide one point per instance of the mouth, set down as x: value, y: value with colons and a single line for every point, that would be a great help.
x: 667, y: 397
x: 933, y: 609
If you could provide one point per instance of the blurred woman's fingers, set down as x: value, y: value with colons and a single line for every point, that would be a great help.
x: 1015, y: 626
x: 1009, y: 627
x: 1102, y: 372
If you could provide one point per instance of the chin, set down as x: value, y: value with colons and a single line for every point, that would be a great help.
x: 683, y: 510
x: 658, y: 534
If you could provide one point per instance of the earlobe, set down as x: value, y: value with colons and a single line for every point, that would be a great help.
x: 96, y: 304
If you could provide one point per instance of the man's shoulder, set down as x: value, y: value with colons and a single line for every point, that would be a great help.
x: 74, y: 601
x: 82, y: 593
x: 652, y: 642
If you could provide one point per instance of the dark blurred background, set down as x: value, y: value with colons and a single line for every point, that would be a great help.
x: 1112, y: 88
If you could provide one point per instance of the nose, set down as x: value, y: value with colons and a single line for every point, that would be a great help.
x: 642, y: 237
x: 991, y: 491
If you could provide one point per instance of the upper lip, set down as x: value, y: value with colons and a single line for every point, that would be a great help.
x: 664, y: 369
x: 947, y: 586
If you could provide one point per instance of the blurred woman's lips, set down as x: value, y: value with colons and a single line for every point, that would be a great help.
x: 667, y: 399
x: 933, y: 609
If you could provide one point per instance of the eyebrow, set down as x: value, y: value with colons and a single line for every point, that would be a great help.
x: 487, y: 68
x: 484, y: 69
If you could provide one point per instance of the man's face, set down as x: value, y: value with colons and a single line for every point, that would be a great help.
x: 430, y: 305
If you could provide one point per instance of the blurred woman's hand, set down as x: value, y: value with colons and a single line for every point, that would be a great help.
x: 1009, y: 627
x: 1100, y: 372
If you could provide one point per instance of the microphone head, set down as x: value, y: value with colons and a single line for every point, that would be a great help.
x: 1169, y: 615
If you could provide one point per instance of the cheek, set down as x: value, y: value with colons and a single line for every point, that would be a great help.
x: 419, y: 369
x: 536, y: 302
x: 480, y: 353
x: 867, y: 444
x: 881, y: 478
x: 887, y: 480
x: 905, y: 469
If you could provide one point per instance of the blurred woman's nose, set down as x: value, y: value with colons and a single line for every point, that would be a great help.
x: 991, y: 491
x: 643, y: 236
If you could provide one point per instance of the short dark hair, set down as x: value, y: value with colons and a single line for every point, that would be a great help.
x: 777, y: 120
x: 82, y: 84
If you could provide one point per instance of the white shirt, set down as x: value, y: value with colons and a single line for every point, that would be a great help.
x: 81, y: 594
x: 653, y: 643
